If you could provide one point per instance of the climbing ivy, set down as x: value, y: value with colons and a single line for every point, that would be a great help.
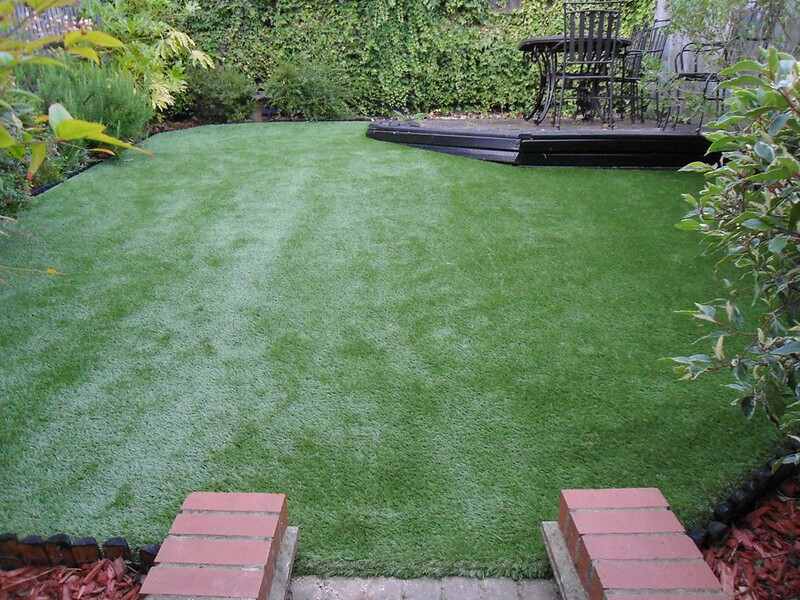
x: 392, y: 55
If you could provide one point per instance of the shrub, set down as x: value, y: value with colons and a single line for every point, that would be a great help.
x: 410, y: 56
x: 219, y: 95
x: 90, y: 93
x: 310, y: 91
x: 14, y: 186
x: 24, y: 140
x: 155, y: 54
x: 749, y: 211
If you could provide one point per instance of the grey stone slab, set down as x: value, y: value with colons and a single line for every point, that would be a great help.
x: 499, y: 589
x: 306, y: 588
x: 461, y: 588
x: 344, y: 588
x: 564, y: 572
x: 422, y: 589
x: 538, y: 589
x: 384, y: 588
x: 282, y: 576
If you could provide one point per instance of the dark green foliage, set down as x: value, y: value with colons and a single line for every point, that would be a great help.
x: 63, y: 159
x: 220, y: 95
x: 93, y: 94
x: 306, y: 90
x: 13, y: 185
x: 417, y: 55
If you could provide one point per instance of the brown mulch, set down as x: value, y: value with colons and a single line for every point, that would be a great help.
x: 102, y: 580
x: 760, y: 559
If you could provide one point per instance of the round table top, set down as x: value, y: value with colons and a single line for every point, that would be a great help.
x: 555, y: 42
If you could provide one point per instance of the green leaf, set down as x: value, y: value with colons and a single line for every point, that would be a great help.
x: 778, y: 243
x: 689, y: 360
x: 38, y: 153
x: 6, y: 139
x: 84, y: 52
x: 772, y: 60
x: 789, y: 164
x: 755, y: 225
x: 688, y: 225
x: 697, y: 167
x: 75, y: 129
x: 724, y: 144
x: 768, y: 176
x: 764, y: 151
x: 790, y: 347
x: 96, y: 38
x: 47, y: 61
x: 744, y: 81
x: 56, y: 115
x: 794, y: 216
x: 777, y: 123
x: 742, y: 65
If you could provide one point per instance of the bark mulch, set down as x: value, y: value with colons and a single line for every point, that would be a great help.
x: 102, y: 580
x: 760, y: 559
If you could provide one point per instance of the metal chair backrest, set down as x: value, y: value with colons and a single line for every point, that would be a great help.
x: 646, y: 43
x: 591, y: 29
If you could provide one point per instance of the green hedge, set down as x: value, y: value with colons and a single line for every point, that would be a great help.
x: 392, y: 55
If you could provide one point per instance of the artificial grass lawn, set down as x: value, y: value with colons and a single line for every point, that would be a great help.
x: 419, y: 349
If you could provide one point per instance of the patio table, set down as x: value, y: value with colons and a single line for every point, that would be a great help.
x: 543, y: 51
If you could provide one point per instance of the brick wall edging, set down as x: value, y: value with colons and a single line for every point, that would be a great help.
x: 62, y: 549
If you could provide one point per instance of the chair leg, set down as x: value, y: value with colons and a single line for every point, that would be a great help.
x: 610, y: 88
x: 560, y: 108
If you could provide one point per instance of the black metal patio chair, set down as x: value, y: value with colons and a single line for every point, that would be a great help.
x: 647, y: 46
x: 697, y: 65
x: 589, y: 61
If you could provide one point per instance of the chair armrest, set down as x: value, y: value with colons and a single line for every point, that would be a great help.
x: 695, y: 50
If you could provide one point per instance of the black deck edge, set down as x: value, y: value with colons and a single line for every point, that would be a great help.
x: 606, y: 148
x: 498, y: 156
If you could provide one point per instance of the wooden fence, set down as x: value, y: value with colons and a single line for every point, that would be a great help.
x: 55, y: 21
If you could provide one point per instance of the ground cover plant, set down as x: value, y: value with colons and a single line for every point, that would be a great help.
x: 419, y: 349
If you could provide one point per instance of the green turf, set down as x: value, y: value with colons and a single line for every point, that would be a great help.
x: 419, y: 349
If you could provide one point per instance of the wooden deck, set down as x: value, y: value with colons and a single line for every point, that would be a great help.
x: 519, y: 142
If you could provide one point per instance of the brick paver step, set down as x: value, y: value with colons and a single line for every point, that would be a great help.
x: 626, y: 544
x: 221, y: 545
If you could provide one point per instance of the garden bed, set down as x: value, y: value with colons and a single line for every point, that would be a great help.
x: 760, y: 559
x: 104, y: 579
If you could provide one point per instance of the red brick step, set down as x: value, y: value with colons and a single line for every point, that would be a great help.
x: 626, y: 544
x: 221, y: 545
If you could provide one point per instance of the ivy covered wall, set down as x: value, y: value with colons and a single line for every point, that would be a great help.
x: 392, y: 55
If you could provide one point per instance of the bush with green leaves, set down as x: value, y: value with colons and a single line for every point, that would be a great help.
x: 749, y: 212
x: 104, y: 94
x: 220, y: 95
x: 310, y: 90
x: 411, y: 56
